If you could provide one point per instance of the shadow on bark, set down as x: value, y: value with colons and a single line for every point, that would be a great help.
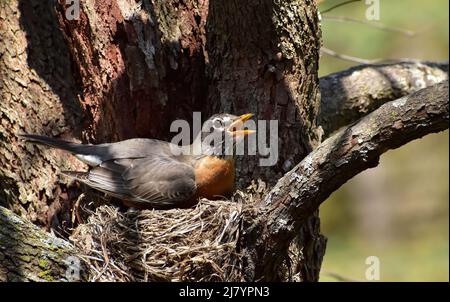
x: 13, y: 249
x: 49, y: 56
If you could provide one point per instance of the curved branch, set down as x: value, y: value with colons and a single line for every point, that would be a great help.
x: 348, y: 95
x: 348, y: 152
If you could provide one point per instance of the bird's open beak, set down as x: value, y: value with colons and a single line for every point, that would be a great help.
x: 236, y: 127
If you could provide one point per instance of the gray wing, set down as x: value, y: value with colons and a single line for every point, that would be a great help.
x: 141, y: 170
x: 155, y: 182
x: 94, y: 155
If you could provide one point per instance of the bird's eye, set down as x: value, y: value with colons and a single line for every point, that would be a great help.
x: 217, y: 123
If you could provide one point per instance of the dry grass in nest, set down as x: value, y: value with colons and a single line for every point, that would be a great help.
x: 167, y: 245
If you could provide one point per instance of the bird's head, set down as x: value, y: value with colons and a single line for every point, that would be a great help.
x: 221, y: 132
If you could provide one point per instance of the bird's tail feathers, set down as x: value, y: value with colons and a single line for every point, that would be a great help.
x: 52, y: 142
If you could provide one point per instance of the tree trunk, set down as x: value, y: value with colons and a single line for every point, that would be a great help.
x: 39, y: 95
x: 263, y: 58
x: 120, y: 71
x: 138, y: 67
x: 125, y: 69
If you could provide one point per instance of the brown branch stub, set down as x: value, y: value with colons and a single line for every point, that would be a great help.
x: 348, y: 152
x: 348, y: 95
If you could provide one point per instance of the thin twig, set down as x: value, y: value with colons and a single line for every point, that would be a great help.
x: 380, y: 26
x: 339, y: 277
x: 338, y: 5
x: 345, y: 57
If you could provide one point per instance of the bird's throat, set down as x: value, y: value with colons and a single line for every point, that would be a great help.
x: 214, y: 176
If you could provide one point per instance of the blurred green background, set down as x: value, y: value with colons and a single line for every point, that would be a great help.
x: 398, y: 211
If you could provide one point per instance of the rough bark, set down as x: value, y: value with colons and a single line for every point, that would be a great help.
x: 141, y: 65
x: 346, y: 153
x: 263, y: 58
x: 38, y: 94
x: 348, y: 95
x: 127, y: 70
x: 27, y: 253
x: 122, y: 70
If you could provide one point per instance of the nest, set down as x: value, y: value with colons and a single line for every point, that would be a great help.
x: 196, y: 244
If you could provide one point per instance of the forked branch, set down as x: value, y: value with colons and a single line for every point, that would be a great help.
x: 342, y: 156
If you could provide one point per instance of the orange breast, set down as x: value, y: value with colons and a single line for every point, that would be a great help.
x: 214, y: 177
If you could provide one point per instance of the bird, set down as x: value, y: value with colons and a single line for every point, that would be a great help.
x: 148, y: 173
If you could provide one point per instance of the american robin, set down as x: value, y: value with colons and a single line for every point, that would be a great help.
x: 149, y: 173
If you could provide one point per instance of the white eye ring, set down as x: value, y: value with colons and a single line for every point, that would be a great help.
x: 217, y: 123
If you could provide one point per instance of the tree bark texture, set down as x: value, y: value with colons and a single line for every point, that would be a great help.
x: 140, y: 65
x: 117, y: 72
x: 263, y: 58
x: 27, y: 253
x: 349, y: 95
x: 38, y: 94
x: 127, y: 69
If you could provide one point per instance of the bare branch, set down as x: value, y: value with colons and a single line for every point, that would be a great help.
x: 349, y: 58
x: 348, y: 152
x: 348, y: 95
x: 338, y: 5
x: 380, y: 26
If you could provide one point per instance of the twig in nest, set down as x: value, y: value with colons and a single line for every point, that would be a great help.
x: 173, y: 245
